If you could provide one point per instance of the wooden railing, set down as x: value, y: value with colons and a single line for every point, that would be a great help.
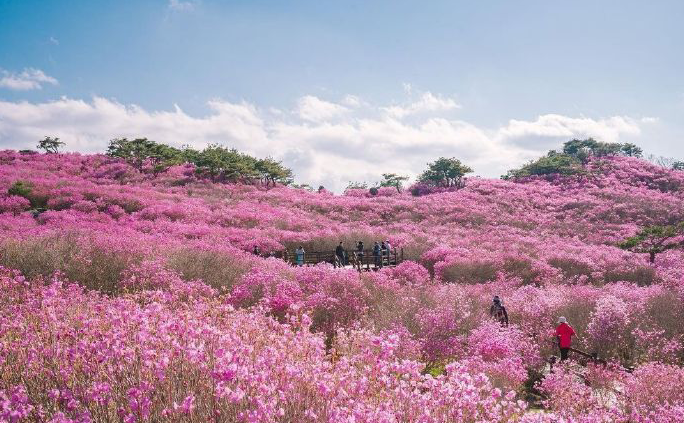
x: 364, y: 261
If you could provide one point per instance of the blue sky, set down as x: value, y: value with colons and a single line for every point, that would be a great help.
x: 314, y: 82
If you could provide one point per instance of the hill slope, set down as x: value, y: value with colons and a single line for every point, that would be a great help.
x: 171, y: 253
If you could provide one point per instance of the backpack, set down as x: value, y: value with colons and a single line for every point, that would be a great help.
x: 498, y: 312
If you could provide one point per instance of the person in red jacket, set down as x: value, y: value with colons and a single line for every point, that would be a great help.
x: 564, y: 333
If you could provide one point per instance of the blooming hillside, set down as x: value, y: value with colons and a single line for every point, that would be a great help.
x: 133, y: 296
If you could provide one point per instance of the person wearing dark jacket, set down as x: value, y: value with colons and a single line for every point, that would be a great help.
x: 359, y: 254
x: 377, y: 254
x: 340, y: 254
x: 498, y: 312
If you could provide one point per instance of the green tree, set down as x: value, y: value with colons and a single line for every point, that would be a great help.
x: 50, y: 145
x: 215, y: 161
x: 393, y: 180
x: 603, y: 149
x: 583, y: 149
x: 142, y: 154
x: 631, y: 150
x: 572, y: 158
x: 553, y: 163
x: 579, y: 149
x: 654, y: 240
x: 273, y: 172
x: 445, y: 172
x: 226, y: 164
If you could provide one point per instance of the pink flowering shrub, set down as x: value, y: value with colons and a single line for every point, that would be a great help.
x: 14, y: 204
x: 117, y: 357
x: 654, y: 389
x: 141, y: 299
x: 409, y: 273
x: 610, y: 328
x: 502, y: 353
x: 14, y: 405
x: 568, y: 395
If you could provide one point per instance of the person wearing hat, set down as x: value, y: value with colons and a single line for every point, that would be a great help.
x: 498, y: 312
x: 564, y: 334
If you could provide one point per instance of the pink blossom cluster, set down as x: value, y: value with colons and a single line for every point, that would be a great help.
x: 148, y: 356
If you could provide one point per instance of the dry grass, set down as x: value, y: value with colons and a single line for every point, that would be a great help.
x: 471, y: 272
x: 77, y: 256
x: 215, y: 268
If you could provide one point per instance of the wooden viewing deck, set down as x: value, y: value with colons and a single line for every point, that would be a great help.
x: 366, y: 262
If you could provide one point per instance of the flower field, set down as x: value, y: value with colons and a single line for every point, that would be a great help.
x: 128, y: 296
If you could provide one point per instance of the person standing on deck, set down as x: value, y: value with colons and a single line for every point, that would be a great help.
x: 359, y: 254
x: 377, y: 254
x: 389, y: 251
x: 299, y: 256
x: 564, y: 334
x: 383, y: 252
x: 340, y: 253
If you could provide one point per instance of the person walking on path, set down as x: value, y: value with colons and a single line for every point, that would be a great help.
x: 498, y: 312
x: 299, y: 256
x: 257, y: 250
x: 340, y: 254
x: 564, y: 334
x: 377, y: 254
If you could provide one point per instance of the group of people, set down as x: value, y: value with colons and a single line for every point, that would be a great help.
x: 381, y: 254
x: 564, y: 332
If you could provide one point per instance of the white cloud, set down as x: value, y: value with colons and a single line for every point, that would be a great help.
x: 351, y: 101
x: 28, y: 79
x: 548, y: 129
x: 427, y: 103
x: 54, y: 41
x: 314, y: 109
x: 182, y: 6
x: 324, y: 143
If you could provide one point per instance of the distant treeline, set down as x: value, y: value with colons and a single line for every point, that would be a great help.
x: 223, y: 164
x: 219, y: 163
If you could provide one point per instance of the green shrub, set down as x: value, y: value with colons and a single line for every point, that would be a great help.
x: 21, y: 188
x: 27, y: 190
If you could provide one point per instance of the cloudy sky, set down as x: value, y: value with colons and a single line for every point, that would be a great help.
x: 345, y: 90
